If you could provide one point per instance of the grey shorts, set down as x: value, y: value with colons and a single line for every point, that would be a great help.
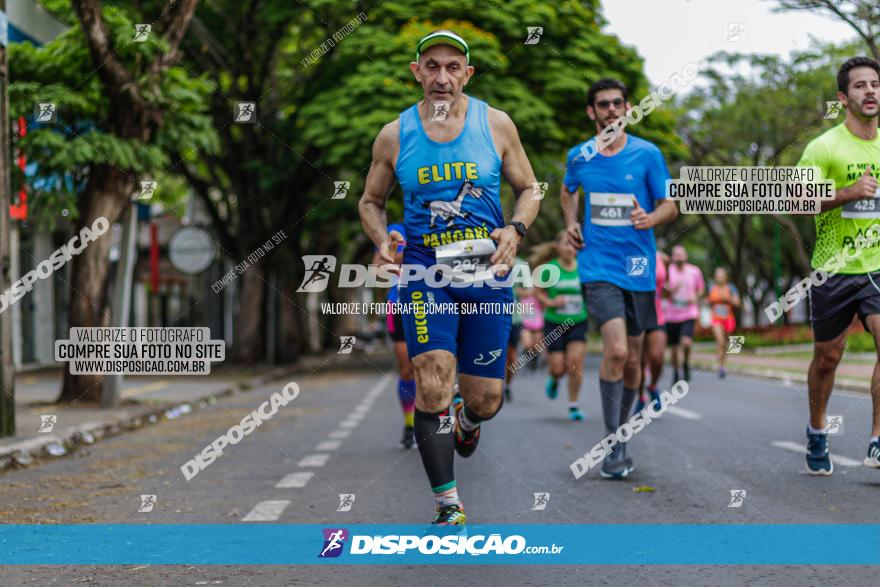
x: 606, y: 301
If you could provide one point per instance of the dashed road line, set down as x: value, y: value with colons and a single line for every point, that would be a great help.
x: 267, y: 511
x: 315, y: 460
x: 298, y: 479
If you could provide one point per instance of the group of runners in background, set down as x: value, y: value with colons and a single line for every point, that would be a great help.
x: 455, y: 368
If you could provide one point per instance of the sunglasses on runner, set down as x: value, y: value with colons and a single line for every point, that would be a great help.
x: 603, y: 104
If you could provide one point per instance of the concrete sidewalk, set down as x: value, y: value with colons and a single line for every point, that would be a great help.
x: 45, y: 429
x: 854, y: 372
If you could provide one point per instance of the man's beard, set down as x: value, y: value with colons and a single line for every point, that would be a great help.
x: 861, y: 110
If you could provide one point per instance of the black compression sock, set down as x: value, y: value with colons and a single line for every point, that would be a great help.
x: 436, y: 441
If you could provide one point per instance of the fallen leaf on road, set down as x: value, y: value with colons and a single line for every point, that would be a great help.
x: 644, y: 489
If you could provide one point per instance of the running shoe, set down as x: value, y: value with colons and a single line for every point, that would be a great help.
x: 465, y: 442
x: 675, y: 377
x: 655, y: 398
x: 409, y: 438
x: 626, y: 459
x: 687, y: 372
x: 873, y: 458
x: 575, y: 414
x: 552, y: 388
x: 640, y: 404
x: 818, y: 459
x: 449, y: 515
x: 722, y: 373
x: 614, y: 466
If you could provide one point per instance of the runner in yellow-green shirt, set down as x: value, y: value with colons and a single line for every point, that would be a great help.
x: 849, y: 154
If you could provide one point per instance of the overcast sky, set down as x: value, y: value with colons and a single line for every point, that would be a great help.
x: 668, y: 34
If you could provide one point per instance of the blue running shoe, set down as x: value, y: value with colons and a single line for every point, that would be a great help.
x: 575, y: 414
x: 873, y: 458
x: 818, y: 459
x: 655, y: 397
x: 552, y: 388
x: 640, y: 404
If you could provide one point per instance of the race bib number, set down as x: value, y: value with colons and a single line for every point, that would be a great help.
x: 862, y: 208
x: 572, y: 304
x: 721, y: 310
x: 611, y: 209
x: 468, y: 259
x: 680, y: 302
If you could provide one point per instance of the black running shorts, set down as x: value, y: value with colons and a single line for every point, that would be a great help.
x: 834, y: 303
x: 564, y: 334
x: 675, y: 330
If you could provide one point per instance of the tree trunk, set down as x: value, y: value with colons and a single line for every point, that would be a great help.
x: 106, y: 194
x: 249, y: 339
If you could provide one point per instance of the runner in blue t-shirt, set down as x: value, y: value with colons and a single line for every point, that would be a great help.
x: 624, y: 185
x: 449, y: 153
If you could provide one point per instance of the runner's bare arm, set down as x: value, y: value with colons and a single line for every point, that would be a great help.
x: 515, y: 166
x: 569, y: 201
x: 518, y: 171
x: 380, y: 181
x: 666, y: 211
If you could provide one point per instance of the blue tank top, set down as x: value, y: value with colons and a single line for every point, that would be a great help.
x: 451, y: 191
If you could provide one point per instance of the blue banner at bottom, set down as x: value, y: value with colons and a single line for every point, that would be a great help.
x: 279, y: 544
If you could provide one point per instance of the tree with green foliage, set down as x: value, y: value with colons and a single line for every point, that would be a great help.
x: 758, y: 110
x: 122, y: 106
x: 318, y: 117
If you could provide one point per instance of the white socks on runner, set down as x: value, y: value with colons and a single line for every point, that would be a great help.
x: 448, y: 497
x: 466, y: 424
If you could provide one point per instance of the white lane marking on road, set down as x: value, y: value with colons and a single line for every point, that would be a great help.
x: 298, y: 479
x: 315, y: 460
x: 684, y: 413
x: 266, y: 511
x: 362, y: 409
x: 349, y: 423
x: 328, y: 445
x: 339, y: 434
x: 800, y: 448
x: 380, y: 385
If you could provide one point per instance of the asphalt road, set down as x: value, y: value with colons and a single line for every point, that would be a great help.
x: 340, y: 436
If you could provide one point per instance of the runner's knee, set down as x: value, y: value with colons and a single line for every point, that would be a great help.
x: 827, y: 358
x: 616, y: 353
x: 434, y: 380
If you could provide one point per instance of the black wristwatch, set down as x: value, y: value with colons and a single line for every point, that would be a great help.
x: 520, y: 229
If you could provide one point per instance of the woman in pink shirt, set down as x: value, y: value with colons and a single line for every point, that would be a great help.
x: 685, y: 286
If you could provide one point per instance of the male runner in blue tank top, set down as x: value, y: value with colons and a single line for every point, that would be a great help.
x: 624, y: 186
x: 448, y: 152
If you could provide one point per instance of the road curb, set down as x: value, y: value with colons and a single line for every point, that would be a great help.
x: 766, y: 373
x: 59, y: 444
